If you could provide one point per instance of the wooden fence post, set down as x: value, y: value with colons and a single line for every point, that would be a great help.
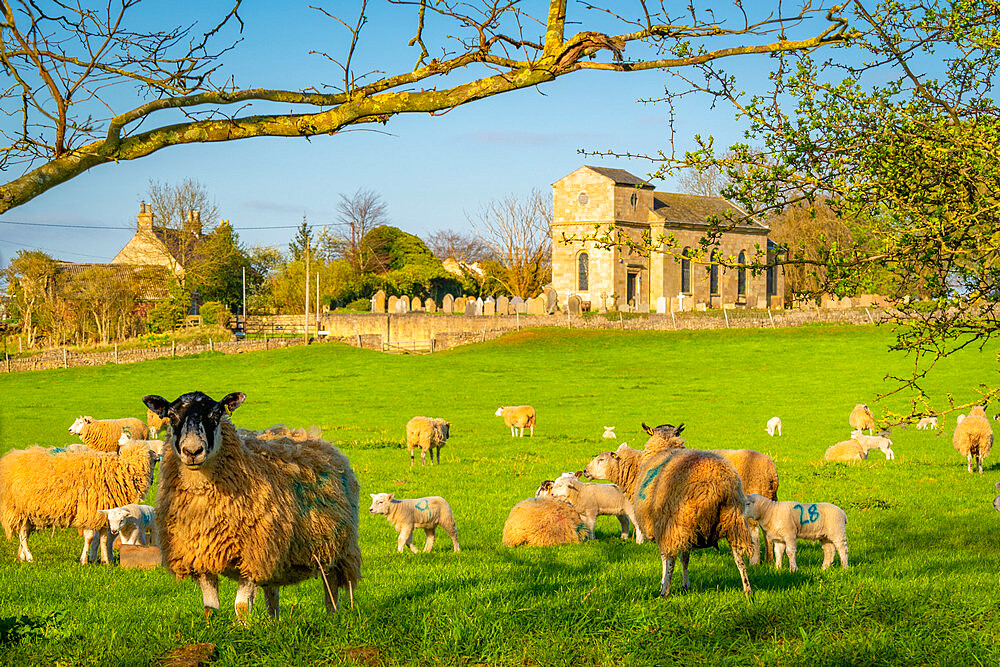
x: 116, y: 353
x: 726, y: 313
x: 65, y: 359
x: 173, y: 348
x: 673, y: 319
x: 770, y: 318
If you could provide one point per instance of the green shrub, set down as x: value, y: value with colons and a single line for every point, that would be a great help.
x: 214, y: 312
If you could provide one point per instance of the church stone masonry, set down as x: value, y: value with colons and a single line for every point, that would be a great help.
x: 615, y: 198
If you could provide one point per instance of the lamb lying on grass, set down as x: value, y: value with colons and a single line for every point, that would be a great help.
x: 132, y: 521
x: 926, y: 423
x: 407, y: 514
x: 786, y: 522
x: 543, y: 522
x: 846, y: 451
x: 594, y: 500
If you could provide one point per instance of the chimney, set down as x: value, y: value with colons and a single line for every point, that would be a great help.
x: 145, y: 217
x: 193, y: 223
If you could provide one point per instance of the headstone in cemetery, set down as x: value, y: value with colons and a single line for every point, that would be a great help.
x: 536, y: 306
x: 489, y: 306
x: 503, y: 305
x: 517, y: 305
x: 604, y: 302
x: 751, y: 301
x: 378, y: 302
x: 403, y: 305
x: 700, y: 307
x: 642, y: 308
x: 470, y: 307
x: 416, y: 304
x: 479, y: 306
x: 430, y: 306
x: 448, y: 304
x: 575, y: 305
x: 551, y: 301
x: 661, y: 304
x: 392, y: 303
x: 460, y: 304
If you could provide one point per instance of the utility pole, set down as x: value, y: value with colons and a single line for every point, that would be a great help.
x: 307, y: 294
x: 317, y: 305
x: 244, y: 301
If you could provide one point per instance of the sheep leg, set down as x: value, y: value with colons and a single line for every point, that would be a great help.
x: 768, y: 547
x: 331, y: 594
x: 532, y: 431
x: 742, y: 567
x: 626, y: 524
x: 107, y: 541
x: 412, y: 458
x: 423, y: 457
x: 271, y: 594
x: 668, y: 572
x: 589, y: 521
x: 842, y: 552
x: 246, y: 591
x: 790, y: 548
x: 88, y: 541
x: 209, y: 593
x: 439, y: 455
x: 405, y: 539
x: 779, y: 551
x: 630, y: 513
x: 970, y: 462
x: 754, y: 542
x: 979, y: 462
x: 512, y: 432
x: 828, y: 552
x: 452, y: 531
x: 23, y: 552
x: 685, y: 557
x: 431, y: 534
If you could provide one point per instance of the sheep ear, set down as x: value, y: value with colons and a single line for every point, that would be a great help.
x: 372, y: 495
x: 392, y: 496
x: 157, y: 404
x: 233, y: 401
x: 647, y: 429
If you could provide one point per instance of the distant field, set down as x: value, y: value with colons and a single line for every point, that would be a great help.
x: 922, y: 587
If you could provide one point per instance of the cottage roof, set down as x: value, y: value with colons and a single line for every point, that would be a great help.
x: 149, y: 278
x: 180, y: 243
x: 620, y: 176
x: 696, y: 209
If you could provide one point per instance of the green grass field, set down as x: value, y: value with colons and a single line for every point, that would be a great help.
x: 922, y: 586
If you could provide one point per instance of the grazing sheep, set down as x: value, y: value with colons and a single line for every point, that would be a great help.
x: 405, y: 515
x: 759, y: 475
x: 41, y: 489
x: 281, y: 431
x: 862, y: 418
x: 786, y: 522
x: 927, y: 423
x: 543, y: 522
x: 773, y: 424
x: 154, y: 423
x: 103, y: 434
x: 845, y: 451
x: 594, y: 500
x: 880, y: 442
x: 131, y: 522
x: 427, y: 433
x: 517, y: 417
x: 609, y: 432
x: 265, y: 512
x: 974, y: 437
x: 684, y: 499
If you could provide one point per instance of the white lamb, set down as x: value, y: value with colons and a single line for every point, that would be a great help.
x: 155, y: 446
x: 773, y: 424
x: 407, y: 514
x: 592, y: 500
x: 609, y: 432
x: 880, y: 442
x: 927, y: 423
x: 786, y: 522
x: 131, y: 522
x: 959, y: 419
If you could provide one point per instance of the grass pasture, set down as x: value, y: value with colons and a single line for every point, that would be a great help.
x: 922, y: 586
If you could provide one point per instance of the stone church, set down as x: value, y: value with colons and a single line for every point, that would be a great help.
x: 614, y: 198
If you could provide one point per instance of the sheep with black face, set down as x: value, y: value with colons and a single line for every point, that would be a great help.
x: 264, y: 512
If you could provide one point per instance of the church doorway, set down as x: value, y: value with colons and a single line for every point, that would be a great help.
x: 630, y: 287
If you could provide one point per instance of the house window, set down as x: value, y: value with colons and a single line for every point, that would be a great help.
x: 583, y: 273
x: 634, y: 200
x: 771, y: 282
x: 583, y: 198
x: 685, y: 272
x: 713, y: 274
x: 741, y: 275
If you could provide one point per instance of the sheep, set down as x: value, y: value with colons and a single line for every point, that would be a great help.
x: 544, y: 489
x: 609, y: 432
x: 154, y: 423
x: 759, y: 475
x: 959, y: 419
x: 773, y: 424
x: 281, y: 431
x: 862, y: 418
x: 996, y: 501
x: 517, y: 417
x: 429, y: 434
x: 543, y: 522
x: 103, y: 434
x: 405, y: 515
x: 264, y: 512
x: 786, y: 522
x: 594, y: 500
x: 974, y: 437
x: 927, y: 423
x: 684, y: 499
x: 845, y: 451
x: 870, y: 442
x: 156, y: 446
x: 41, y: 489
x: 131, y: 522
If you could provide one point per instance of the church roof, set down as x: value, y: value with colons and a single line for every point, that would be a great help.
x: 619, y: 176
x: 696, y: 209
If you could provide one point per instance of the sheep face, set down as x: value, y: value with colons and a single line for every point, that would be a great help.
x: 195, y: 423
x: 381, y: 502
x: 544, y: 489
x: 750, y: 505
x: 115, y: 518
x: 499, y: 412
x: 598, y: 468
x: 565, y: 486
x: 76, y: 428
x: 664, y: 430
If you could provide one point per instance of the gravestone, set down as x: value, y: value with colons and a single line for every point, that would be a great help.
x: 751, y: 301
x: 536, y: 306
x: 416, y: 304
x: 575, y: 305
x: 460, y: 305
x: 470, y: 307
x: 489, y: 306
x: 430, y: 306
x: 503, y: 305
x: 700, y: 307
x: 392, y: 303
x: 642, y: 307
x: 604, y: 302
x: 403, y: 305
x: 551, y: 301
x: 479, y: 306
x: 517, y: 305
x: 661, y: 304
x: 448, y: 304
x: 378, y: 302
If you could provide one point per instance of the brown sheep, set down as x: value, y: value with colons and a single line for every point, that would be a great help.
x: 846, y: 451
x: 974, y: 437
x: 103, y: 434
x: 862, y: 418
x: 759, y: 475
x: 428, y: 434
x: 684, y: 499
x: 543, y: 522
x: 517, y: 418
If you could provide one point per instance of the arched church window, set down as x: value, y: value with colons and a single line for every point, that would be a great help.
x: 685, y: 272
x: 713, y: 273
x: 741, y: 276
x: 583, y: 272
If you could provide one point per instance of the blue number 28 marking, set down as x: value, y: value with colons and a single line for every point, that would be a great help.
x: 807, y: 516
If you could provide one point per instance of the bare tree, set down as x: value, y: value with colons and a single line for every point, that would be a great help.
x: 518, y: 232
x: 83, y: 89
x: 178, y: 211
x: 461, y: 246
x: 357, y: 215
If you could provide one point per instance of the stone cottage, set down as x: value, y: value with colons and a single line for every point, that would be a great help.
x: 617, y: 200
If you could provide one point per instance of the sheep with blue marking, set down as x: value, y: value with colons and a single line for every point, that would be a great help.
x: 786, y: 522
x: 409, y: 513
x: 267, y: 513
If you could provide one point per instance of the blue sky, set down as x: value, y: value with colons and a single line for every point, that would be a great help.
x: 431, y: 171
